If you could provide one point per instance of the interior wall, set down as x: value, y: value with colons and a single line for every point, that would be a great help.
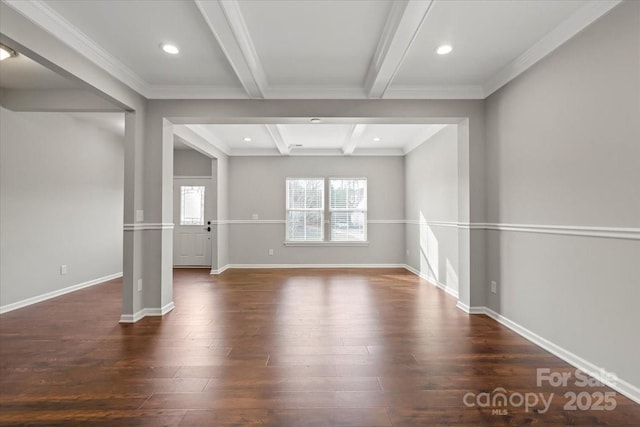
x: 257, y: 186
x: 191, y: 163
x: 563, y: 149
x: 61, y: 203
x: 431, y: 207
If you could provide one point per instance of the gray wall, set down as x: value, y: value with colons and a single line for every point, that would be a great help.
x: 61, y: 202
x: 257, y: 186
x: 563, y: 148
x: 431, y: 195
x: 191, y: 163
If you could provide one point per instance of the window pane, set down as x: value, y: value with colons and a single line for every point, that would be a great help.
x: 192, y: 205
x: 304, y: 226
x: 348, y: 194
x: 348, y: 206
x: 349, y: 226
x: 305, y: 194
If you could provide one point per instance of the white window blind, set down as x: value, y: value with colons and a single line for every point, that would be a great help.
x: 348, y: 209
x: 305, y: 209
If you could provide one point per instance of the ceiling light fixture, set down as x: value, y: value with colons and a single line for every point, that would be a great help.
x: 444, y: 49
x: 246, y: 139
x: 315, y: 120
x: 6, y: 52
x: 376, y: 139
x: 170, y: 48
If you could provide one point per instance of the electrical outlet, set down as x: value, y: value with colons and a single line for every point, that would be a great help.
x: 255, y: 217
x: 63, y: 269
x: 408, y: 252
x: 139, y: 215
x: 139, y: 285
x: 494, y: 287
x: 270, y: 252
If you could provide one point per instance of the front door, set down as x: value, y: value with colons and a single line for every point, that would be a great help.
x: 192, y: 218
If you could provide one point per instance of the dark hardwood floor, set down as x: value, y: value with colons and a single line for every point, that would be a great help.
x: 280, y: 347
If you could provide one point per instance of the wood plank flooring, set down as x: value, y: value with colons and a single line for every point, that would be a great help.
x: 280, y: 348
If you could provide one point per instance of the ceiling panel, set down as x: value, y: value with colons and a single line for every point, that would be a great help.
x: 316, y: 136
x: 132, y: 31
x: 315, y: 43
x: 233, y: 136
x: 485, y: 35
x: 398, y: 136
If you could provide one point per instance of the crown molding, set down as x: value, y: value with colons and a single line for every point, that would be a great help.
x: 582, y: 18
x: 195, y: 92
x: 44, y: 16
x: 250, y: 152
x: 435, y: 92
x: 378, y: 152
x: 314, y: 92
x: 227, y: 24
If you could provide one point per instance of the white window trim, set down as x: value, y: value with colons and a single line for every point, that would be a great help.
x: 326, y: 210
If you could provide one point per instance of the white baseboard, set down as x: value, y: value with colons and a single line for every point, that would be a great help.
x: 132, y: 318
x: 34, y: 300
x: 273, y: 266
x: 220, y: 270
x: 470, y: 310
x: 152, y: 311
x: 623, y: 387
x: 437, y: 284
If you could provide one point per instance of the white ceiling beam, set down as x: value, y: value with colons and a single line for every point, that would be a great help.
x: 204, y: 133
x: 200, y: 143
x: 353, y: 139
x: 404, y: 23
x: 227, y: 24
x: 278, y: 139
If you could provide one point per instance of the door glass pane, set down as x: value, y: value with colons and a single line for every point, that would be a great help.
x: 192, y: 205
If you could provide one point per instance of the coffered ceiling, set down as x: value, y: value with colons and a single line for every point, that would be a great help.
x: 355, y: 49
x: 303, y: 49
x: 315, y: 139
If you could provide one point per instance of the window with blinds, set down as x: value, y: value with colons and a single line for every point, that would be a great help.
x: 305, y: 209
x: 348, y: 209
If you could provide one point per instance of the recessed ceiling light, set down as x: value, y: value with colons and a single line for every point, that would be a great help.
x: 376, y: 139
x: 6, y: 52
x: 170, y: 48
x: 444, y: 49
x: 246, y: 139
x: 315, y: 120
